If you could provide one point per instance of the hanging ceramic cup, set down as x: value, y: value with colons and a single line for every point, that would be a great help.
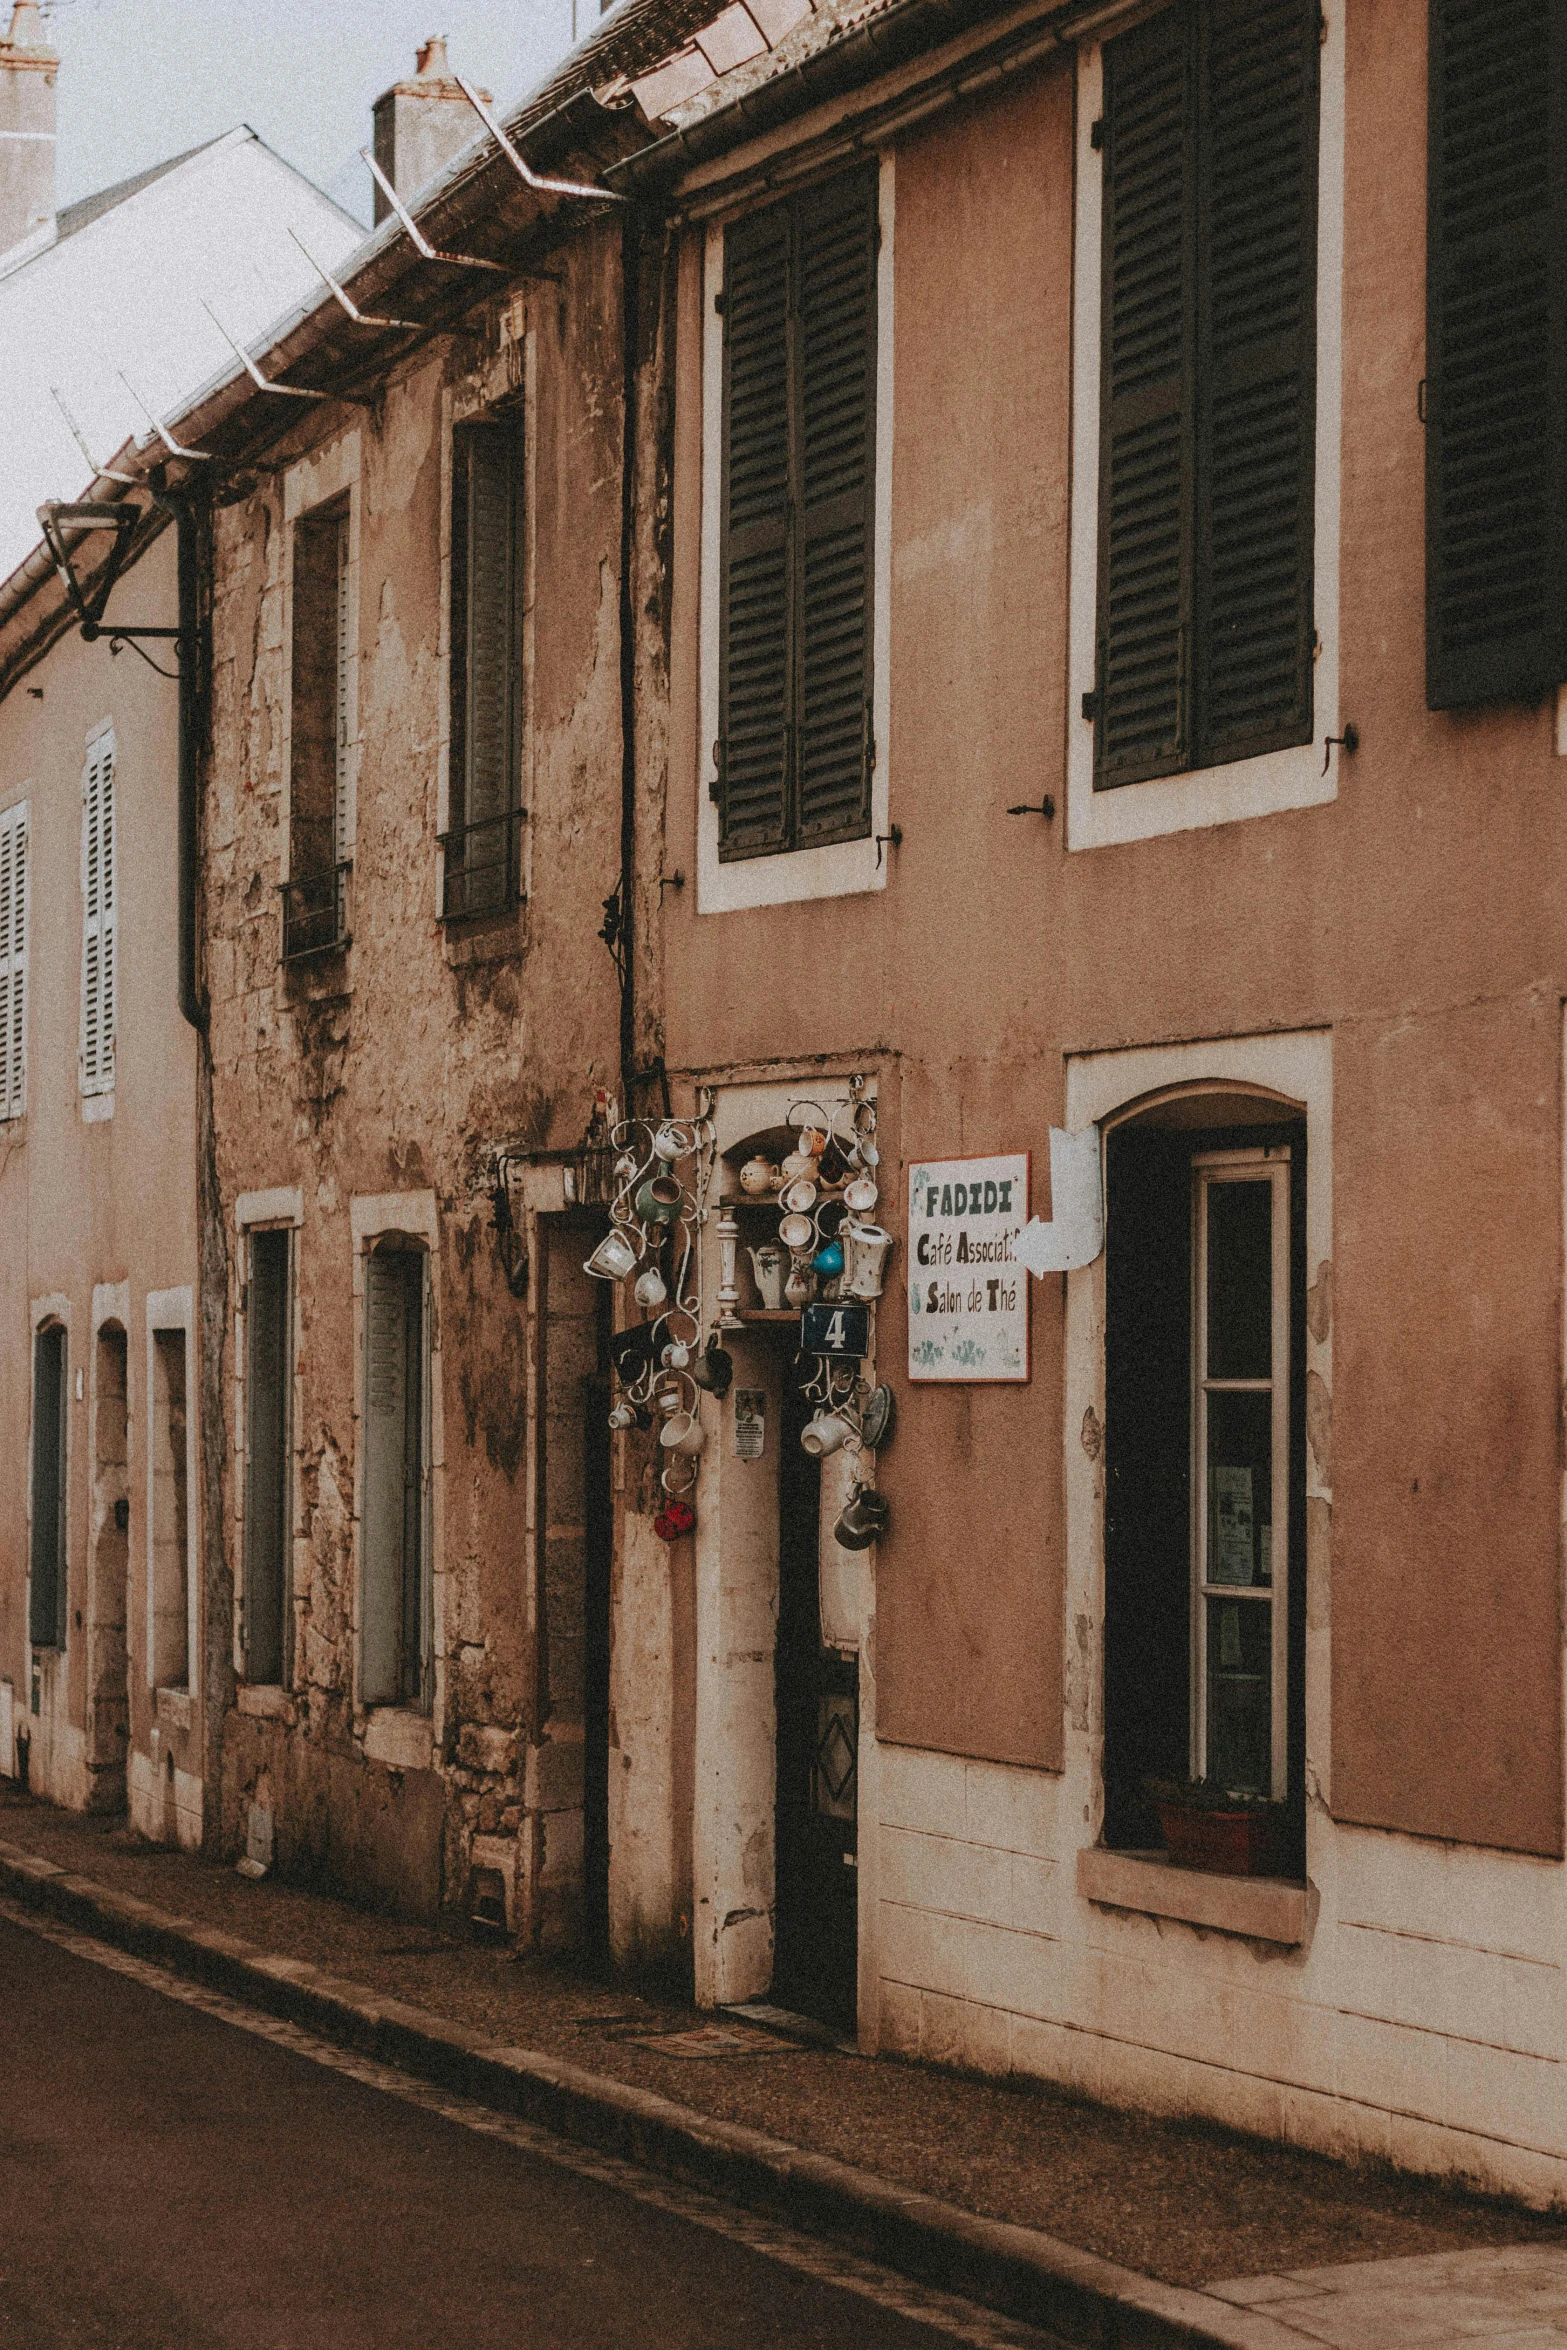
x: 650, y: 1290
x: 828, y: 1261
x: 667, y: 1145
x: 825, y: 1434
x: 860, y: 1196
x: 678, y: 1356
x: 613, y: 1259
x: 713, y: 1368
x: 796, y: 1232
x: 622, y: 1416
x: 682, y: 1432
x: 800, y: 1197
x: 659, y: 1200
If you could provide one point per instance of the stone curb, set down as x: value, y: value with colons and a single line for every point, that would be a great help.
x: 1016, y: 2270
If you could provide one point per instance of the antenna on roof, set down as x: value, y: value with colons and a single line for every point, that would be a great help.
x: 99, y: 472
x: 360, y: 317
x: 531, y: 179
x: 262, y: 382
x: 200, y: 456
x: 420, y: 241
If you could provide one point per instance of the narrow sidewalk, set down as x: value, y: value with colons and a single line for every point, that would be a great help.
x: 1181, y: 2203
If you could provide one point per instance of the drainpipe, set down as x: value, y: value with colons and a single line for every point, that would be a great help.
x: 192, y: 647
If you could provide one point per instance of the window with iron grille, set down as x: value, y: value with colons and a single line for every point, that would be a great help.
x: 315, y: 899
x: 100, y: 918
x: 483, y: 840
x: 13, y: 961
x: 1205, y: 633
x: 1496, y: 352
x: 795, y: 748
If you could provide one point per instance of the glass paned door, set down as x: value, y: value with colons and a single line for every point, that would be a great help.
x: 1240, y: 1468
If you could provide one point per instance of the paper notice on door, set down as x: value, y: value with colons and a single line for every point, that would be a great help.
x: 750, y: 1423
x: 1233, y: 1543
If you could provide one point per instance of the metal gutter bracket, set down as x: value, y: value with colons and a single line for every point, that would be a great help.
x: 265, y: 383
x: 421, y: 242
x: 99, y: 472
x: 529, y: 178
x: 412, y: 326
x: 195, y: 456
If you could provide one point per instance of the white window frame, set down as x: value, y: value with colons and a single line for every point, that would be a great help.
x: 1274, y: 780
x: 96, y: 1065
x: 846, y: 868
x: 317, y: 480
x: 1272, y: 1167
x: 15, y: 913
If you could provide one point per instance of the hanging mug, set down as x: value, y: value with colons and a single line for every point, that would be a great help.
x: 800, y: 1197
x: 713, y: 1368
x: 860, y: 1196
x: 613, y: 1259
x: 682, y: 1432
x: 797, y: 1232
x: 650, y: 1290
x: 825, y: 1434
x: 865, y: 1251
x: 667, y: 1145
x: 767, y: 1263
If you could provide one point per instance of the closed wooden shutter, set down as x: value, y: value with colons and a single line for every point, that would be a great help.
x: 1208, y: 388
x: 492, y: 647
x: 13, y: 962
x: 1256, y: 371
x: 100, y: 919
x: 795, y: 749
x: 392, y: 1606
x: 46, y: 1586
x: 267, y: 1358
x: 836, y: 473
x: 343, y: 713
x: 1496, y: 436
x: 754, y: 631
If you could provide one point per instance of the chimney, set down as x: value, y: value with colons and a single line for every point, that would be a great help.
x: 420, y: 125
x: 28, y: 67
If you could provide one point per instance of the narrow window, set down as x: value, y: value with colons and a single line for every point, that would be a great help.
x: 170, y: 1513
x: 394, y: 1604
x: 13, y: 962
x: 1208, y: 388
x: 483, y: 842
x: 1496, y: 352
x: 795, y: 749
x: 1240, y: 1514
x: 315, y: 902
x: 46, y: 1591
x: 268, y: 1354
x: 100, y: 919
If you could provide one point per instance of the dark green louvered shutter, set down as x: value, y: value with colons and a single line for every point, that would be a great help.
x: 1256, y: 369
x: 754, y: 630
x: 1146, y: 421
x: 46, y: 1585
x: 391, y: 1607
x: 1496, y: 464
x: 1208, y: 388
x: 835, y: 472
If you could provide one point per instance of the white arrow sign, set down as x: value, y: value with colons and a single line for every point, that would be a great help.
x: 1076, y: 1231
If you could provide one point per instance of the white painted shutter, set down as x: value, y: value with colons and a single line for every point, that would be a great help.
x: 342, y: 715
x: 100, y: 918
x: 13, y: 961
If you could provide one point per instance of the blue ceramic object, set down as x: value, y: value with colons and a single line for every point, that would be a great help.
x: 828, y: 1261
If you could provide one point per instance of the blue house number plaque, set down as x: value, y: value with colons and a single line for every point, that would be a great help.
x: 836, y: 1330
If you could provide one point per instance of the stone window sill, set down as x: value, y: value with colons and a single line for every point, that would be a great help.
x: 400, y: 1739
x: 266, y: 1701
x: 174, y: 1708
x: 1262, y: 1909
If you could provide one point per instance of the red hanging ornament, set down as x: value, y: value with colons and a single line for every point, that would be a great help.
x: 674, y: 1519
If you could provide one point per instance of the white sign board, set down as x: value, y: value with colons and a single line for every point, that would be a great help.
x: 968, y: 1292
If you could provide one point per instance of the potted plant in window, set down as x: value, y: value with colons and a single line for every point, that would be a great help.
x: 1221, y: 1829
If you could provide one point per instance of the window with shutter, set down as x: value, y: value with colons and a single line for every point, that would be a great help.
x: 267, y: 1360
x: 483, y: 843
x: 795, y: 748
x: 1208, y: 388
x: 13, y: 962
x: 394, y: 1585
x: 320, y: 734
x: 1496, y: 352
x: 100, y: 918
x: 46, y: 1584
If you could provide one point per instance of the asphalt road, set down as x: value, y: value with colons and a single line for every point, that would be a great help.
x: 169, y: 2181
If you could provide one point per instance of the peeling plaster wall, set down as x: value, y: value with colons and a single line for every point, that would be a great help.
x: 398, y: 1066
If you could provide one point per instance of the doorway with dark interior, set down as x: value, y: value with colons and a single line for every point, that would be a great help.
x: 108, y: 1662
x: 817, y: 1849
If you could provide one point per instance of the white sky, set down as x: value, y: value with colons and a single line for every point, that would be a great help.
x: 145, y: 79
